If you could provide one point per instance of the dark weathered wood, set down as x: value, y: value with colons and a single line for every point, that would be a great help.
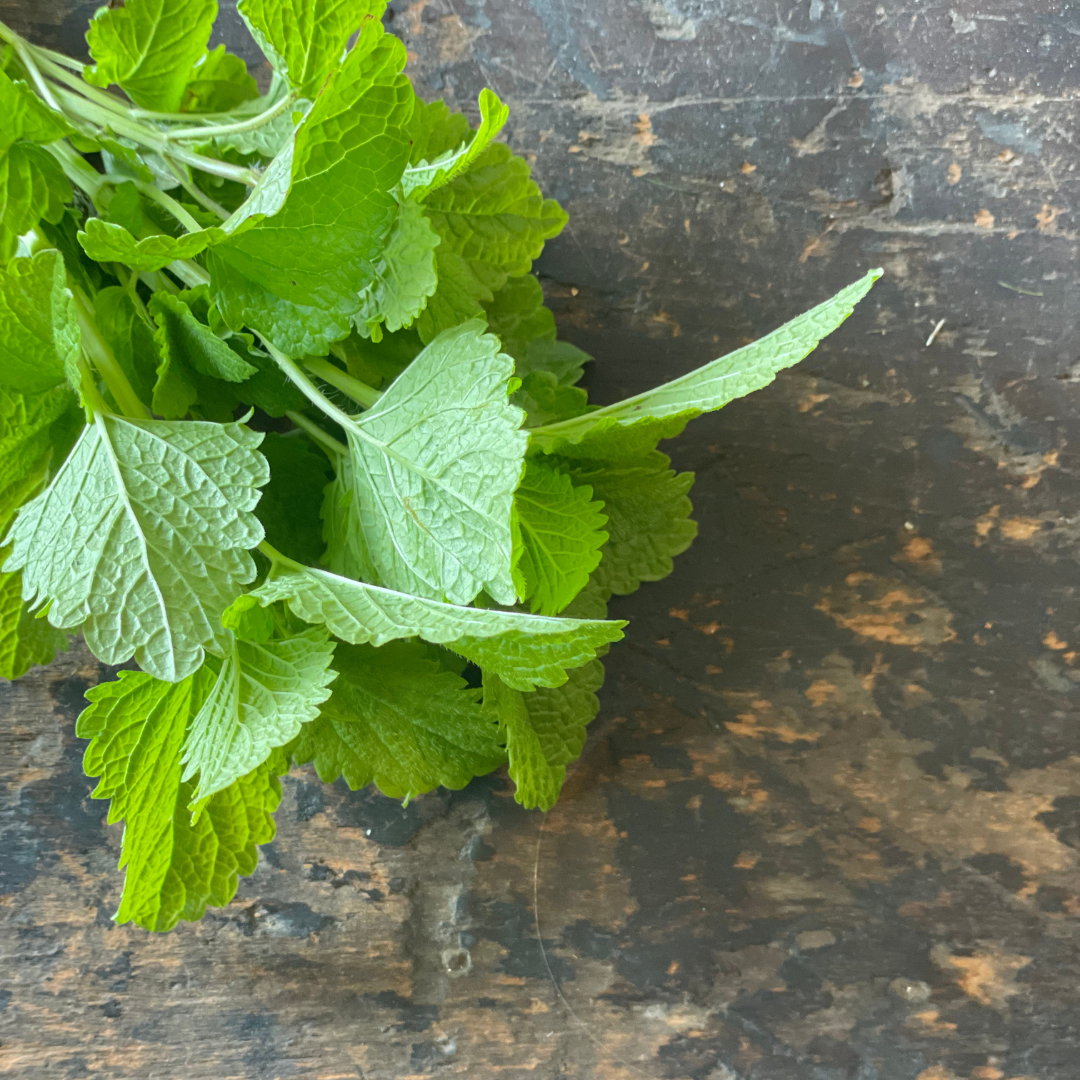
x: 826, y: 826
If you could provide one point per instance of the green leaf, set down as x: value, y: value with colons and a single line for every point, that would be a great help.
x: 524, y: 650
x: 404, y: 275
x: 545, y: 730
x: 495, y: 214
x: 32, y: 187
x: 304, y: 39
x: 34, y: 323
x: 463, y: 285
x: 401, y: 721
x: 347, y: 551
x: 130, y: 339
x: 175, y: 867
x: 435, y: 130
x: 23, y: 115
x: 561, y: 533
x: 218, y: 83
x: 105, y: 242
x: 63, y: 235
x: 264, y: 693
x: 545, y: 401
x: 435, y: 464
x: 424, y: 176
x: 648, y: 517
x: 149, y: 48
x: 142, y: 538
x: 289, y: 507
x: 192, y: 358
x: 296, y: 276
x: 25, y: 438
x: 714, y: 385
x: 25, y: 640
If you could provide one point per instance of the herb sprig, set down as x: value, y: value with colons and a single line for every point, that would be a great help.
x: 284, y: 419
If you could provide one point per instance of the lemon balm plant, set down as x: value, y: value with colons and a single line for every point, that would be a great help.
x: 405, y: 580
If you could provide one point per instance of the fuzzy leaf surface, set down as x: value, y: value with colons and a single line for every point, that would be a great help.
x: 175, y: 867
x: 400, y: 720
x: 142, y: 538
x: 561, y: 532
x: 149, y: 47
x: 434, y: 467
x: 495, y: 213
x: 712, y: 386
x: 304, y: 39
x: 263, y: 694
x: 297, y: 275
x: 524, y: 650
x: 545, y: 730
x: 426, y: 175
x: 33, y: 316
x: 404, y: 274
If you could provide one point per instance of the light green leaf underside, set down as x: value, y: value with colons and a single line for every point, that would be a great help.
x: 524, y: 650
x: 33, y: 308
x: 142, y: 538
x: 404, y: 275
x: 561, y: 534
x: 175, y: 867
x: 426, y: 175
x: 399, y: 720
x: 149, y: 48
x: 304, y: 39
x: 545, y: 731
x: 296, y: 276
x: 434, y: 468
x: 106, y: 242
x: 263, y: 694
x: 714, y: 385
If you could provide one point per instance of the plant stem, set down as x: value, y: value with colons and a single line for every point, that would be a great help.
x: 359, y: 391
x: 102, y: 357
x: 214, y: 130
x: 167, y: 202
x: 190, y: 273
x: 35, y: 74
x: 278, y: 559
x: 298, y: 377
x: 77, y: 169
x: 317, y: 433
x: 92, y: 399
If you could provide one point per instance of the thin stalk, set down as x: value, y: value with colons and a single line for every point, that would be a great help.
x: 359, y: 391
x: 35, y: 74
x: 92, y: 398
x: 214, y: 130
x: 317, y: 433
x: 211, y: 165
x: 196, y: 192
x: 156, y: 281
x: 167, y: 202
x: 102, y: 357
x: 190, y: 273
x: 129, y: 280
x: 300, y: 379
x: 77, y: 169
x: 278, y: 559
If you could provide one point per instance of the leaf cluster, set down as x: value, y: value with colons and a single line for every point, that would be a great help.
x: 284, y: 420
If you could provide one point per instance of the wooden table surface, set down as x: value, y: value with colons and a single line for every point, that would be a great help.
x: 827, y: 823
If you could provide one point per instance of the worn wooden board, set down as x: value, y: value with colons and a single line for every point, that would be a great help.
x: 827, y: 823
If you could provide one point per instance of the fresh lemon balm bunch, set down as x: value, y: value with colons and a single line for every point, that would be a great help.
x: 284, y: 419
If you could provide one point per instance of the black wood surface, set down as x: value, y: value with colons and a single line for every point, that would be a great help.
x: 826, y: 826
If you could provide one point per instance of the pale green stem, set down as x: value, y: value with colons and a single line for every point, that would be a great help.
x: 299, y: 378
x: 190, y: 273
x: 77, y: 169
x: 35, y: 74
x: 278, y: 559
x: 92, y: 399
x: 214, y: 130
x: 102, y: 357
x: 317, y: 433
x: 359, y: 391
x: 167, y: 202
